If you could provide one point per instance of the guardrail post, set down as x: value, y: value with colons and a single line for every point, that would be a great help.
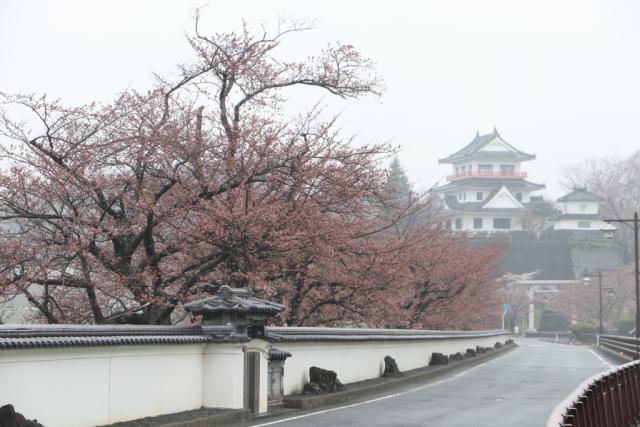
x: 635, y: 374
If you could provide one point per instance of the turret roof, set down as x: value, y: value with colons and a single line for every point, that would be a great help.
x: 580, y: 194
x: 453, y: 203
x: 490, y: 183
x: 480, y: 141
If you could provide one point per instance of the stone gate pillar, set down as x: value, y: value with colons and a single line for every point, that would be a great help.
x: 240, y: 309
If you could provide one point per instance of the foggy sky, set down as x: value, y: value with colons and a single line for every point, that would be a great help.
x: 558, y: 78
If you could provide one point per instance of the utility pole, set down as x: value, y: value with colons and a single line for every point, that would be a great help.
x: 633, y: 223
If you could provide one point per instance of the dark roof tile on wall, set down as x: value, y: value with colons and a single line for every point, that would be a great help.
x: 59, y: 336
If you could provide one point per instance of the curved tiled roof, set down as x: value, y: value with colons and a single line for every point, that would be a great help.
x: 490, y: 183
x: 580, y: 195
x: 236, y: 300
x: 275, y: 354
x: 480, y: 141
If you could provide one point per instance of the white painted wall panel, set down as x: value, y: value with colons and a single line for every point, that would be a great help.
x: 154, y: 380
x: 94, y: 386
x: 223, y: 376
x: 64, y: 387
x: 364, y: 360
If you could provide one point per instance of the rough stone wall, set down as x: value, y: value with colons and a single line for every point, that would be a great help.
x: 593, y: 257
x: 561, y: 260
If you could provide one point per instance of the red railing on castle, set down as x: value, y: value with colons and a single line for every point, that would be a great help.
x: 487, y: 174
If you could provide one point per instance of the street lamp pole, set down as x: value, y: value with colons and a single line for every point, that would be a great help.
x: 586, y: 280
x: 633, y: 223
x: 600, y: 294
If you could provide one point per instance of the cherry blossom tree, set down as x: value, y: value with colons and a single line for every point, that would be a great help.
x: 161, y: 197
x: 581, y: 301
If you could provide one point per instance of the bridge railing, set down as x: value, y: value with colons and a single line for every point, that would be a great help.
x: 623, y: 346
x: 608, y: 399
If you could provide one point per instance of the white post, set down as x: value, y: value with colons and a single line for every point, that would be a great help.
x: 532, y: 326
x: 262, y: 348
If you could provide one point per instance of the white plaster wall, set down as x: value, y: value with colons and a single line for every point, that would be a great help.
x: 487, y: 222
x: 572, y: 224
x: 471, y: 194
x: 223, y: 376
x: 65, y: 387
x: 590, y: 207
x: 475, y: 166
x: 153, y: 380
x: 101, y: 385
x: 364, y: 360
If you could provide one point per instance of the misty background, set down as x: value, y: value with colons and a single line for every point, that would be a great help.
x: 558, y: 79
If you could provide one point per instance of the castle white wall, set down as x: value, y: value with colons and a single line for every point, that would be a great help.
x: 470, y: 195
x: 572, y: 224
x: 487, y: 221
x: 475, y: 165
x: 579, y: 207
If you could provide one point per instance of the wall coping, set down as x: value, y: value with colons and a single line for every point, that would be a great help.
x: 56, y: 336
x: 309, y: 334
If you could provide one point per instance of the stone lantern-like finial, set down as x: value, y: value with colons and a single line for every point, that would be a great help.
x: 238, y: 307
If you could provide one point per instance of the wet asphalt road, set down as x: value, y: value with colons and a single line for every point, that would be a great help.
x: 517, y: 389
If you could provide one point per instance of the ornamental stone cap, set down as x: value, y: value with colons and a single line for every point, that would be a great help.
x: 234, y: 300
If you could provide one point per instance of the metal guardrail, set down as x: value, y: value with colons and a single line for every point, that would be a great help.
x: 619, y: 344
x: 608, y: 399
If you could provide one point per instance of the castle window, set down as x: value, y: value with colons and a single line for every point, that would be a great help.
x: 584, y: 224
x: 502, y: 223
x: 519, y: 197
x: 485, y: 169
x: 458, y: 223
x: 507, y: 170
x: 477, y: 223
x: 479, y: 196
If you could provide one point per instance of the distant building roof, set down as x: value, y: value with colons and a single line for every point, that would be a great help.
x: 580, y: 194
x: 480, y: 141
x: 490, y: 183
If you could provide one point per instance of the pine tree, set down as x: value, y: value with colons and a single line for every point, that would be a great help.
x: 399, y: 189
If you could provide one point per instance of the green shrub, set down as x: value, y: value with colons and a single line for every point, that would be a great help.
x: 584, y: 332
x: 583, y: 328
x: 624, y: 326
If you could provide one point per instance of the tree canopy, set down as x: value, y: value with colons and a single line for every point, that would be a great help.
x: 161, y: 197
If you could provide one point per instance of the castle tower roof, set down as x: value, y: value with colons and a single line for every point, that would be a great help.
x: 488, y: 146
